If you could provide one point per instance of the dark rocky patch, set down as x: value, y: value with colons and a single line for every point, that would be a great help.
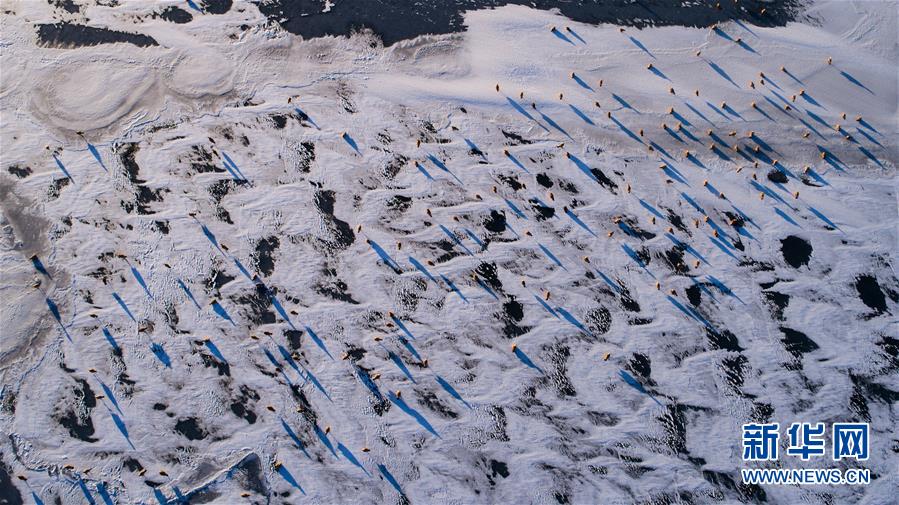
x: 796, y: 251
x: 775, y: 175
x: 694, y: 294
x: 399, y: 203
x: 777, y: 303
x: 241, y: 405
x: 305, y: 155
x: 723, y: 339
x: 511, y: 181
x: 264, y: 255
x: 294, y: 339
x: 796, y: 342
x: 514, y: 139
x: 541, y: 212
x: 870, y: 293
x: 217, y: 6
x: 190, y: 428
x: 495, y: 222
x: 431, y: 401
x: 511, y: 315
x: 67, y: 35
x: 603, y: 180
x: 67, y: 5
x: 19, y: 171
x: 747, y: 492
x: 342, y: 235
x: 174, y: 14
x: 257, y: 306
x: 280, y: 121
x: 544, y: 180
x: 77, y: 418
x: 598, y: 320
x: 487, y: 273
x: 406, y: 19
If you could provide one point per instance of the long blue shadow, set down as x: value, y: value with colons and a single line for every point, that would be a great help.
x: 187, y: 292
x: 402, y: 366
x: 451, y: 390
x: 109, y: 394
x: 121, y: 426
x: 369, y: 383
x: 700, y: 114
x: 868, y: 136
x: 112, y: 341
x: 101, y: 490
x: 641, y: 46
x: 624, y: 103
x: 521, y: 110
x: 632, y: 382
x: 684, y: 121
x: 305, y: 117
x: 421, y: 268
x: 526, y: 360
x: 871, y: 156
x: 824, y: 218
x: 552, y: 257
x: 633, y: 255
x: 720, y: 71
x: 351, y: 142
x: 399, y: 323
x: 455, y: 239
x: 555, y: 125
x: 515, y: 210
x: 791, y: 76
x: 323, y: 438
x: 423, y: 171
x: 626, y: 130
x: 723, y: 287
x: 687, y: 247
x: 384, y: 256
x: 717, y: 110
x: 293, y: 436
x: 486, y: 288
x: 453, y: 287
x: 351, y: 457
x: 721, y: 33
x: 390, y: 479
x: 581, y: 115
x: 673, y: 134
x: 221, y: 312
x: 855, y: 81
x: 317, y: 341
x: 651, y: 209
x: 96, y: 154
x: 140, y: 280
x: 578, y: 221
x: 475, y: 239
x: 39, y: 266
x: 517, y: 163
x: 720, y: 245
x: 786, y: 217
x: 575, y: 35
x: 612, y: 284
x: 123, y: 305
x: 473, y: 149
x: 581, y: 83
x: 693, y: 203
x: 234, y: 167
x: 399, y: 402
x: 442, y: 166
x: 161, y: 355
x: 63, y: 168
x: 561, y: 35
x: 659, y: 73
x: 86, y: 492
x: 287, y: 476
x: 568, y: 316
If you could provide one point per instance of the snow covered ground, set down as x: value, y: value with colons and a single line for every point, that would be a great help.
x: 240, y: 266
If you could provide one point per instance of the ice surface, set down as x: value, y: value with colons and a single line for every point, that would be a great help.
x: 249, y: 269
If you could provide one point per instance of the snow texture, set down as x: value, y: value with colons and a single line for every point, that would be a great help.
x: 239, y: 266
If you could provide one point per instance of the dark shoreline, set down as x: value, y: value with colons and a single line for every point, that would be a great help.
x: 396, y: 20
